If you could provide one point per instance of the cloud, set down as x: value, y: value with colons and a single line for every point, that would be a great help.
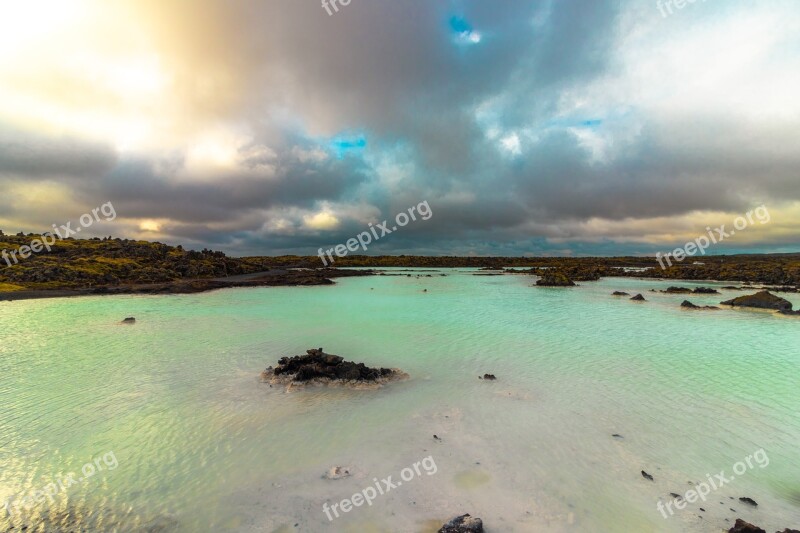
x: 551, y: 127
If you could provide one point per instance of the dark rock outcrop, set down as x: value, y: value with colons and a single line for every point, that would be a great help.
x: 761, y: 300
x: 677, y: 290
x: 619, y: 293
x: 705, y: 290
x: 463, y: 524
x: 646, y: 475
x: 129, y: 320
x: 489, y: 377
x: 748, y: 501
x: 686, y: 304
x: 745, y: 527
x: 554, y: 278
x: 320, y: 366
x: 638, y: 298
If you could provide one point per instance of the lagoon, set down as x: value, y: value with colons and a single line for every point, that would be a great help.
x: 202, y: 445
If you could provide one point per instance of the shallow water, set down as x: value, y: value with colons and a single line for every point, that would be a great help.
x: 202, y: 445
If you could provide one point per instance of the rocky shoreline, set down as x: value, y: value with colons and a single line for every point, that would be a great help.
x: 271, y: 278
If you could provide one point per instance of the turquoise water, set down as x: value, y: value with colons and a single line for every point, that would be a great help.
x: 201, y: 445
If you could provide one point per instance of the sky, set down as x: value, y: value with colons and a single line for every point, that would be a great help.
x: 544, y: 127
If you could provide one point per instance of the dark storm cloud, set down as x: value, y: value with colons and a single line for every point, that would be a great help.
x: 434, y: 110
x: 37, y: 156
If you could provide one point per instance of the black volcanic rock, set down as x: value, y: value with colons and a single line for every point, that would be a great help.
x: 619, y: 293
x: 554, y: 278
x: 689, y: 305
x: 463, y: 524
x: 705, y: 290
x: 638, y: 298
x: 745, y: 527
x: 761, y: 300
x: 677, y: 290
x: 316, y: 364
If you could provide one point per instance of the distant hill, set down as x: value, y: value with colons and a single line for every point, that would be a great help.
x: 77, y: 263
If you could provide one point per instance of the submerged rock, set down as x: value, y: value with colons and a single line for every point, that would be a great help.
x: 646, y: 475
x: 463, y: 524
x: 619, y: 293
x: 490, y: 377
x: 761, y: 300
x: 749, y: 501
x: 337, y: 472
x: 689, y: 305
x: 320, y: 367
x: 129, y: 320
x: 554, y: 278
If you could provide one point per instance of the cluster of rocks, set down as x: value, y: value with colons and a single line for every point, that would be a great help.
x: 760, y: 300
x: 637, y: 298
x: 686, y: 304
x: 685, y: 290
x: 554, y: 278
x: 740, y: 526
x: 746, y: 527
x: 318, y: 366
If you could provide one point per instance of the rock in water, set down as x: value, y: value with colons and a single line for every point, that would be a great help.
x: 689, y: 305
x: 646, y: 475
x: 337, y: 472
x: 749, y: 501
x: 638, y: 298
x: 490, y: 377
x: 761, y: 300
x: 554, y: 278
x: 745, y: 527
x: 319, y: 366
x: 705, y: 290
x: 677, y: 290
x: 463, y: 524
x: 129, y: 320
x: 619, y: 293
